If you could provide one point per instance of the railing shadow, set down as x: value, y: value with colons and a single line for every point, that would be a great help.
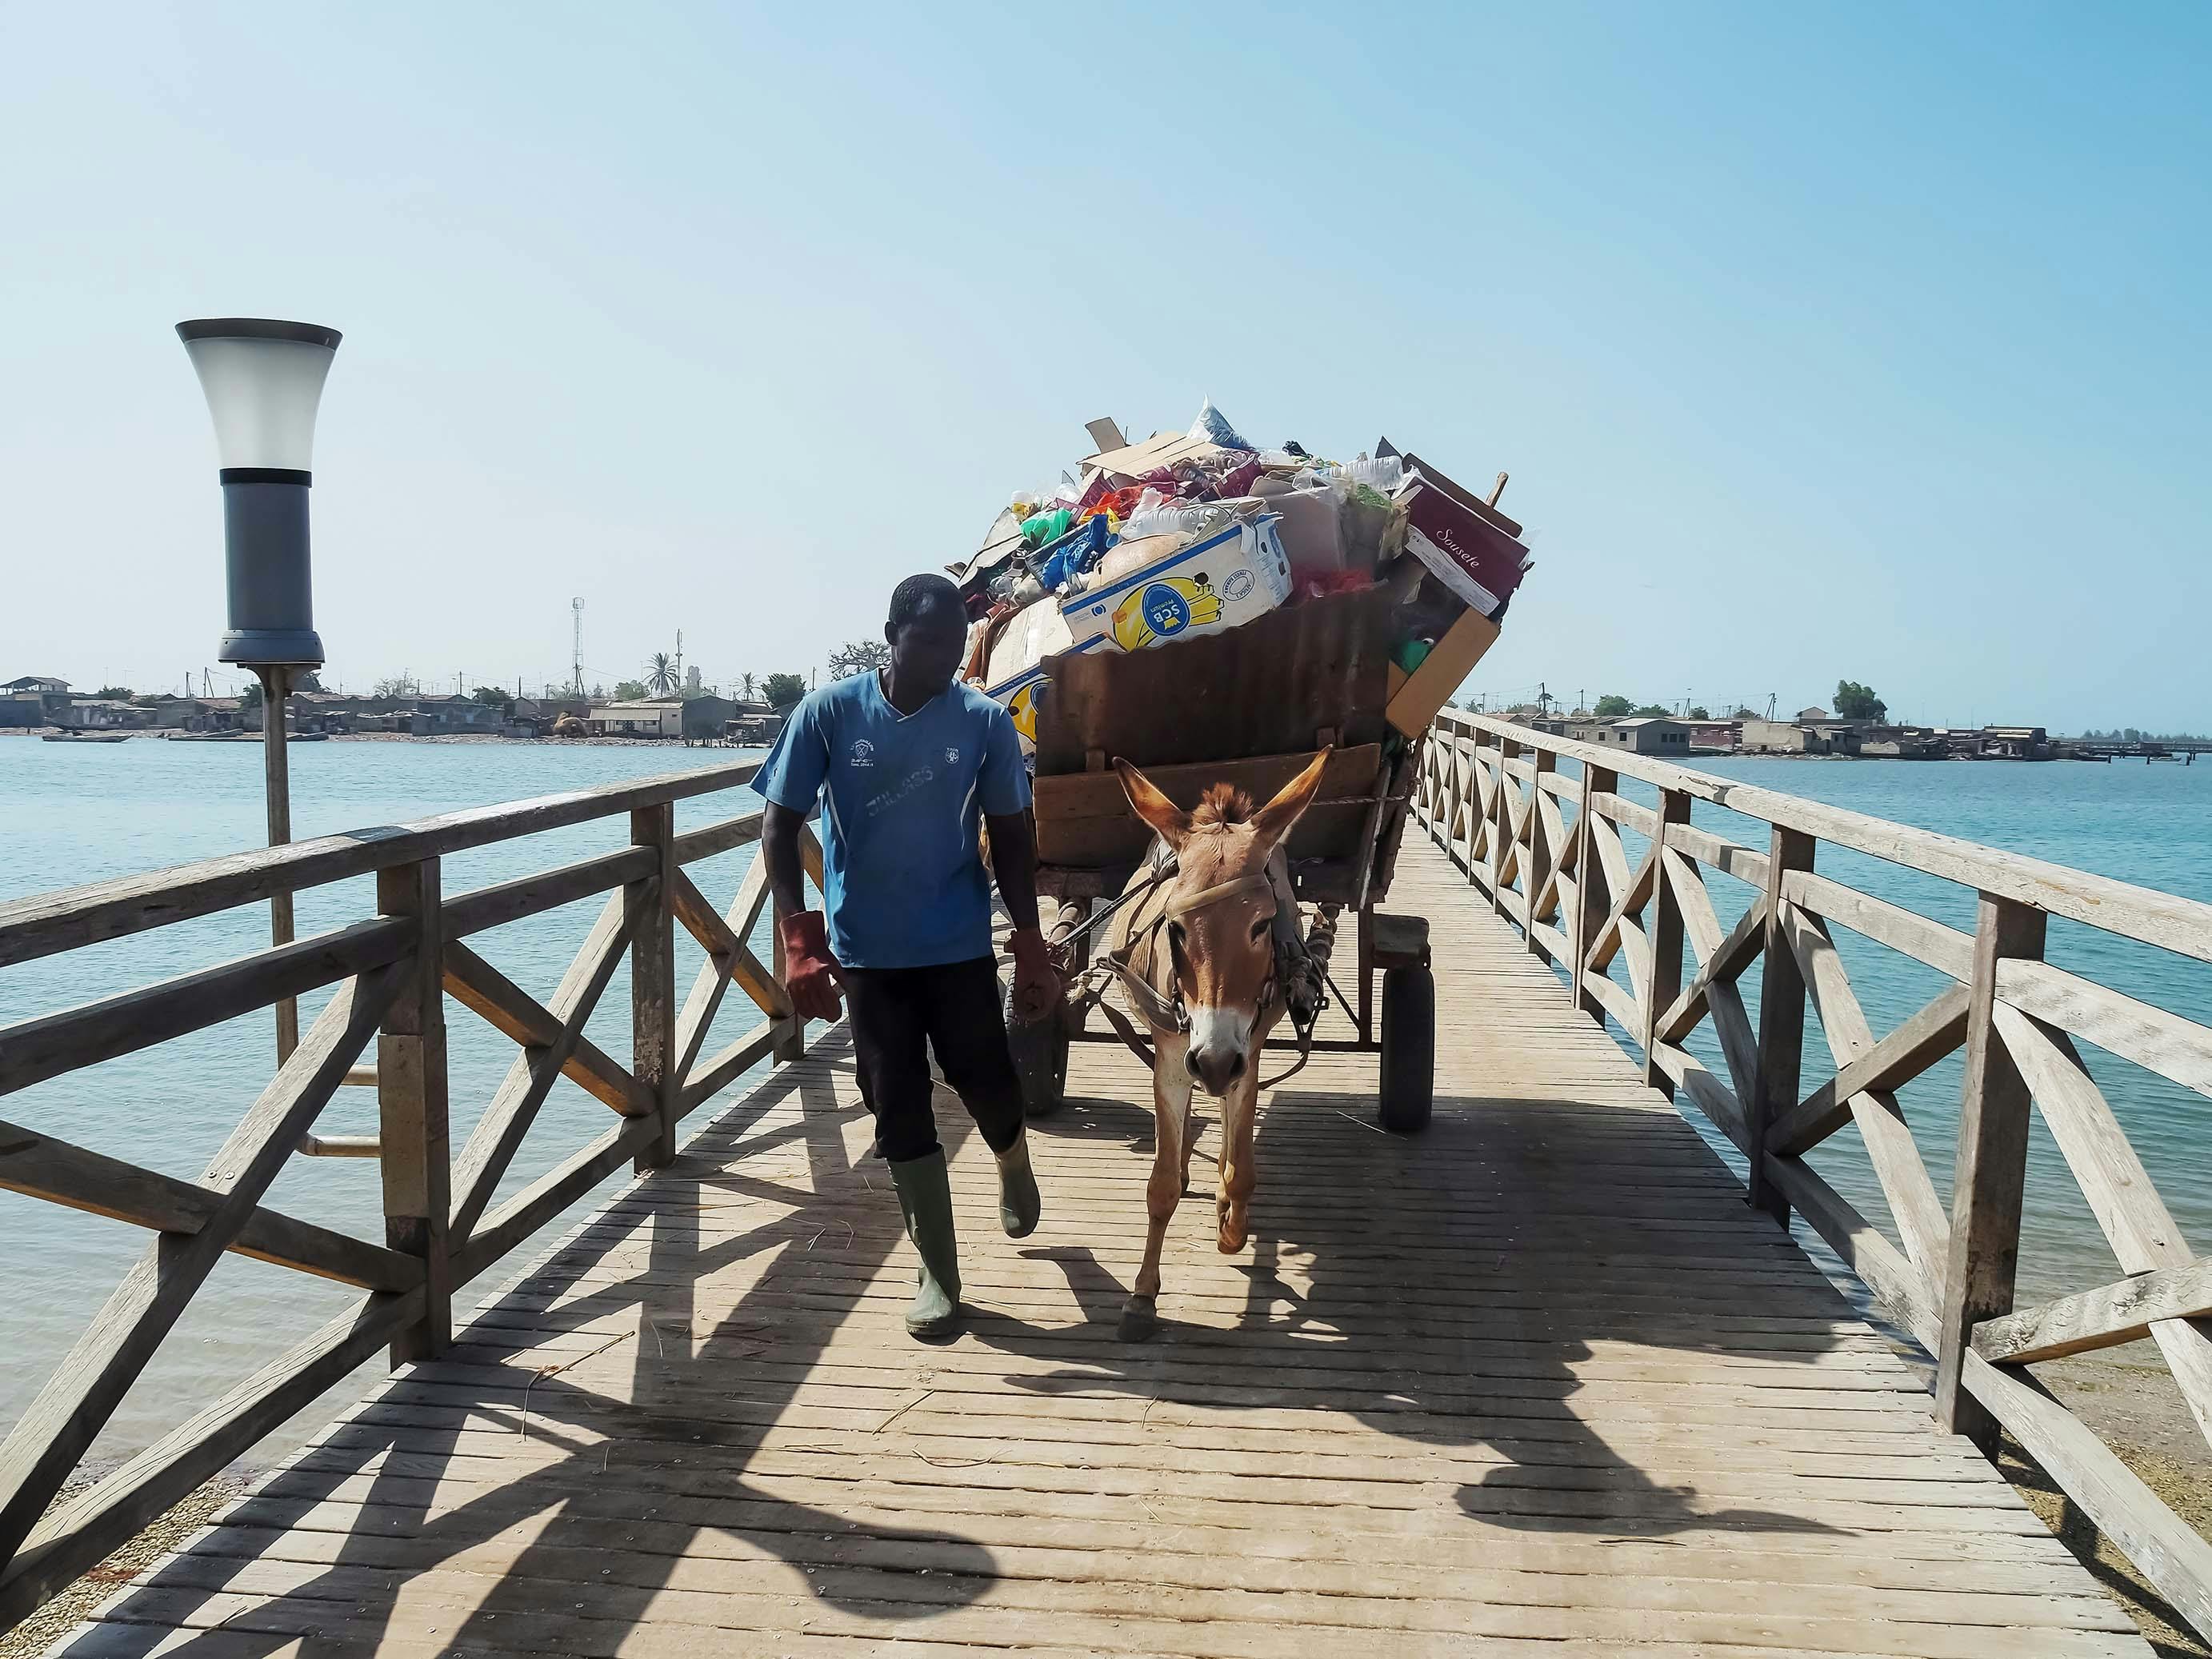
x: 1452, y: 1396
x: 416, y: 1500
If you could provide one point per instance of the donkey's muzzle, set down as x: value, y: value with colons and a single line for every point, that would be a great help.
x: 1215, y: 1066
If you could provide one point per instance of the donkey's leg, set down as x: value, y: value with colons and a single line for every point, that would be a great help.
x: 1240, y: 1111
x: 1171, y: 1088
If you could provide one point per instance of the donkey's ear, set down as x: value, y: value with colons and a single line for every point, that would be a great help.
x: 1172, y: 823
x: 1274, y: 821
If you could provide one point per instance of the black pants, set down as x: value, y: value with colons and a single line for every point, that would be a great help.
x: 955, y: 1009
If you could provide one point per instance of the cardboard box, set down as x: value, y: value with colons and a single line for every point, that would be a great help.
x: 1429, y: 688
x: 1021, y: 691
x: 1228, y: 578
x: 1462, y: 543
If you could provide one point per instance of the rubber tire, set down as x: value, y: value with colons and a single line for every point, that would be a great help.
x: 1039, y: 1052
x: 1409, y: 1050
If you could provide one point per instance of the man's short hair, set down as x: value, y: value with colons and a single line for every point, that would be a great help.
x: 912, y: 596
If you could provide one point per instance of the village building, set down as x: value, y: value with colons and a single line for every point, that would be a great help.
x: 651, y: 717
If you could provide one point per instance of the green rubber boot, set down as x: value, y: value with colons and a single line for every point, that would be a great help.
x: 1019, y: 1203
x: 925, y: 1201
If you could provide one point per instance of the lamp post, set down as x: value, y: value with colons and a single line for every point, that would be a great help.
x: 264, y: 381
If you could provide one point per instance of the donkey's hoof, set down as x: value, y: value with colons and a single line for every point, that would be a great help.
x: 1141, y: 1319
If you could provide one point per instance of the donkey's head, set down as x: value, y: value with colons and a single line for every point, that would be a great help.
x: 1221, y: 911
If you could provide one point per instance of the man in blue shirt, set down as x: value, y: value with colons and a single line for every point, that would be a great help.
x: 908, y: 766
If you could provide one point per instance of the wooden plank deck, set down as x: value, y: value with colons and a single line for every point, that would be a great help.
x: 1536, y: 1382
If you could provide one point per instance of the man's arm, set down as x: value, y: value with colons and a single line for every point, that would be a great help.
x: 1013, y: 866
x: 786, y: 871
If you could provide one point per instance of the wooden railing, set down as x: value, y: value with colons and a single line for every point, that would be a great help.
x: 445, y: 1224
x: 1546, y: 845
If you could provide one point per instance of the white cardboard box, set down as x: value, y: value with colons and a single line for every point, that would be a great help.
x: 1229, y: 578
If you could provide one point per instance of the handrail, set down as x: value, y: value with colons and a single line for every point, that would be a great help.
x: 2166, y: 920
x: 1548, y: 850
x: 47, y: 922
x: 393, y: 974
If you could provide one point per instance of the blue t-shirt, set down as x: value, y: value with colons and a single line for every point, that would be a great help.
x: 904, y: 800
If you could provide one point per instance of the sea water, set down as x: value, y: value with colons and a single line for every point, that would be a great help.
x: 71, y: 814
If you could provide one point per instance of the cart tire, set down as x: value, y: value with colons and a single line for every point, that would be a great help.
x: 1409, y: 1049
x: 1039, y: 1052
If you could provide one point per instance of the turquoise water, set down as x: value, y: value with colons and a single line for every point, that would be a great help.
x: 71, y: 814
x: 2148, y: 825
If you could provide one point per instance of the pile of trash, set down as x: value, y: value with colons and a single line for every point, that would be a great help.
x: 1189, y: 533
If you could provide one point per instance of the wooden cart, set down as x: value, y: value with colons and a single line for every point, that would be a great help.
x: 1248, y: 707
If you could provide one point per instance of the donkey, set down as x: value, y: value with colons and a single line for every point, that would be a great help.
x: 1196, y: 947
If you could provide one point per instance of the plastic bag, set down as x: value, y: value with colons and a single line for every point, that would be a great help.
x: 1212, y: 427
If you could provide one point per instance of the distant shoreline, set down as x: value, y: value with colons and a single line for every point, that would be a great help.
x: 448, y: 738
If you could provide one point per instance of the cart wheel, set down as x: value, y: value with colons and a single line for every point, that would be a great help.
x: 1039, y: 1052
x: 1409, y: 1049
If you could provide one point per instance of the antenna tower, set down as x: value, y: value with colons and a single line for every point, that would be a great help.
x: 576, y: 645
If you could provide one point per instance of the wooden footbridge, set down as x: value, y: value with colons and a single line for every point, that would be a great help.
x: 1538, y: 1381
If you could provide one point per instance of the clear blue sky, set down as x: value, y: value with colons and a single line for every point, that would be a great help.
x: 1819, y: 340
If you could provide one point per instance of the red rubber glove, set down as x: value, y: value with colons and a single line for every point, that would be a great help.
x: 810, y: 972
x: 1036, y: 981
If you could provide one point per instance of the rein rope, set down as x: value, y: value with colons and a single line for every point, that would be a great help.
x: 1168, y: 1012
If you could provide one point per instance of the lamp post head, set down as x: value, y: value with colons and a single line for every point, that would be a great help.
x: 262, y: 380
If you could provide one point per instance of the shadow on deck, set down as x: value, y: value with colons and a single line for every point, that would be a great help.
x: 1535, y: 1381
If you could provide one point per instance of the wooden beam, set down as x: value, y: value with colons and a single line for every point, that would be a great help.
x: 700, y: 918
x: 522, y: 1215
x: 2102, y: 1318
x: 668, y: 896
x: 2171, y: 1554
x: 512, y: 1011
x: 1710, y: 1095
x: 1622, y: 811
x: 1729, y: 858
x: 1780, y: 1016
x: 1946, y: 950
x: 69, y: 1412
x: 1890, y: 1063
x: 47, y: 922
x: 1591, y: 901
x: 2176, y: 1048
x: 711, y: 1077
x: 1729, y: 961
x: 1896, y: 1283
x: 95, y: 1523
x: 32, y: 1050
x: 1990, y: 1172
x: 40, y: 1166
x: 2135, y: 1219
x: 491, y: 1145
x: 485, y: 908
x: 1635, y: 891
x: 715, y: 838
x: 1666, y: 931
x: 412, y: 1104
x: 1889, y: 1145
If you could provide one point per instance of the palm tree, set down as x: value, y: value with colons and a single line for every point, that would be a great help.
x: 746, y: 684
x: 661, y: 675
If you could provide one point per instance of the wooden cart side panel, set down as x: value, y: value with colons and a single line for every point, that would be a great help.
x: 1084, y: 820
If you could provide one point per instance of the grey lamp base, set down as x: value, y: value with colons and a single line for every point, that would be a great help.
x: 264, y: 647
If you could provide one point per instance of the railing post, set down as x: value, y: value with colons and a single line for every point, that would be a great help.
x: 1991, y: 1170
x: 1501, y: 827
x: 1665, y: 982
x: 1593, y: 897
x: 1781, y: 1020
x: 1536, y: 870
x: 653, y: 980
x: 411, y: 1107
